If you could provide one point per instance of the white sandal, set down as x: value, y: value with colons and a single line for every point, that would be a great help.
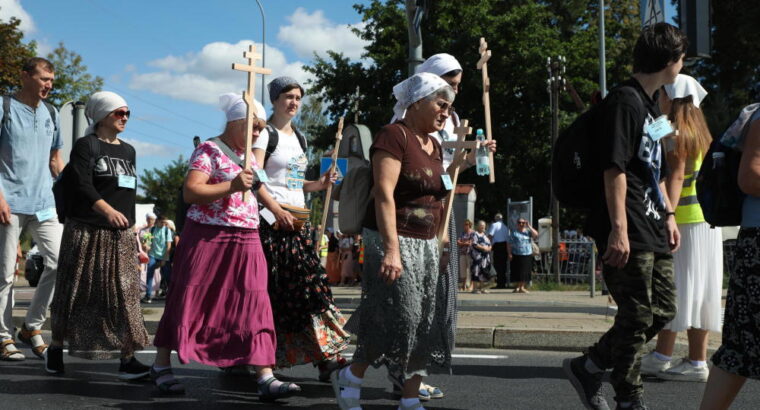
x: 338, y: 384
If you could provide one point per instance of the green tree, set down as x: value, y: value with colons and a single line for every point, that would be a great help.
x: 13, y: 53
x: 72, y: 81
x: 161, y: 186
x: 521, y: 35
x: 732, y: 74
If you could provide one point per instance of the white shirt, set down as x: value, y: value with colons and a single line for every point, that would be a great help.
x: 286, y: 168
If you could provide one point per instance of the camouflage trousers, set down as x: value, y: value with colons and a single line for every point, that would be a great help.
x: 644, y: 291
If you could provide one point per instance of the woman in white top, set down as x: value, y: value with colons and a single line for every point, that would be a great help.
x: 308, y: 325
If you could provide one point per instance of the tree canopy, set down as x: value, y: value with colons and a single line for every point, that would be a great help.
x: 13, y: 53
x: 72, y: 81
x: 161, y: 186
x: 521, y: 35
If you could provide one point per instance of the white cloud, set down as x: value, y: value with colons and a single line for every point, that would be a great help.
x: 13, y: 8
x: 202, y: 76
x: 313, y: 33
x: 144, y: 149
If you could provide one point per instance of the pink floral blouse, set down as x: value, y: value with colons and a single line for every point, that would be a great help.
x: 230, y: 210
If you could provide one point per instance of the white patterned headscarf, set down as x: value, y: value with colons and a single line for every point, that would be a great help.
x: 685, y: 86
x: 414, y: 89
x: 99, y: 106
x: 439, y: 64
x: 235, y: 108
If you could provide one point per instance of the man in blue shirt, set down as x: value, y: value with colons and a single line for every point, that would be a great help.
x: 499, y: 233
x: 29, y: 160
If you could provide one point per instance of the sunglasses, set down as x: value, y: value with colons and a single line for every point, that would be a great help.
x: 121, y: 114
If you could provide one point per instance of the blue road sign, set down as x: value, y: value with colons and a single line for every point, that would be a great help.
x: 342, y: 167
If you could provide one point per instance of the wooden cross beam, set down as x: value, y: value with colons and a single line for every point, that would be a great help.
x: 328, y: 196
x: 459, y: 155
x: 485, y: 55
x: 252, y: 70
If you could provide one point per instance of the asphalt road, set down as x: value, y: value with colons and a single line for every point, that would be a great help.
x: 482, y: 379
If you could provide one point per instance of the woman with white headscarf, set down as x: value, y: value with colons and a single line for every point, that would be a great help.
x: 218, y: 311
x: 698, y: 264
x: 401, y: 265
x: 448, y: 68
x: 96, y: 307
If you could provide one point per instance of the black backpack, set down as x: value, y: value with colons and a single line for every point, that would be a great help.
x: 274, y: 139
x: 718, y: 190
x: 576, y: 178
x: 62, y: 186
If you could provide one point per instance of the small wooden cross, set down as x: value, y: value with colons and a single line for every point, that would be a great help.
x: 485, y: 55
x: 252, y: 70
x: 460, y: 147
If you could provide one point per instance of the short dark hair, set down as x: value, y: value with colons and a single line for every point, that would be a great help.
x: 657, y: 46
x: 31, y: 64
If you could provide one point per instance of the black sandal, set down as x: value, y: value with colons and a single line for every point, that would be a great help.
x: 169, y: 387
x: 284, y: 391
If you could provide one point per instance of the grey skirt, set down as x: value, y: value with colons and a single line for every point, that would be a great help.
x: 398, y: 324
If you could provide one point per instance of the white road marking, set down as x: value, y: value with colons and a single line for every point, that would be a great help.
x: 349, y: 355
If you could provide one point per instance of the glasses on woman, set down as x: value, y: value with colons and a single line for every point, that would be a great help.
x: 121, y: 113
x: 444, y: 106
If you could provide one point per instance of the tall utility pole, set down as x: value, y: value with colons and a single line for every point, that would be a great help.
x: 415, y: 11
x: 555, y: 84
x: 602, y: 62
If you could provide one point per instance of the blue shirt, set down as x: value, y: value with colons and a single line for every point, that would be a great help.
x: 25, y: 144
x: 161, y: 236
x: 498, y: 232
x: 520, y: 242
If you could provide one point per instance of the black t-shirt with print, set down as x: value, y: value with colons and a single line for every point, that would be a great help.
x: 89, y: 185
x: 624, y: 144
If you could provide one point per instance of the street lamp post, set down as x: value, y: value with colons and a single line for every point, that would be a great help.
x: 555, y: 84
x: 263, y: 46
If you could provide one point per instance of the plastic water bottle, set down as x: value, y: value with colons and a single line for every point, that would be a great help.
x: 481, y: 156
x: 719, y: 159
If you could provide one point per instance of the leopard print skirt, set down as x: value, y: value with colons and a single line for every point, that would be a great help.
x: 96, y: 305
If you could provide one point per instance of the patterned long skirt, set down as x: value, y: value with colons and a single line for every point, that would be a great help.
x: 740, y: 351
x: 96, y: 307
x: 308, y: 325
x: 399, y: 323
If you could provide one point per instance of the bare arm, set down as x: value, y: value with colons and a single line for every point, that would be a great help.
x: 618, y: 247
x: 386, y: 170
x: 674, y: 235
x: 197, y: 190
x: 674, y: 181
x: 56, y: 163
x: 749, y: 168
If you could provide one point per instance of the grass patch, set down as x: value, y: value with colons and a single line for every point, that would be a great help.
x: 554, y: 286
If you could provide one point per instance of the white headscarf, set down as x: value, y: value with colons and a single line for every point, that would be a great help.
x: 414, y: 89
x: 439, y: 64
x: 99, y: 106
x: 685, y: 86
x: 234, y: 107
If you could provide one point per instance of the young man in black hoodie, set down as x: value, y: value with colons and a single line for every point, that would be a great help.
x: 634, y: 224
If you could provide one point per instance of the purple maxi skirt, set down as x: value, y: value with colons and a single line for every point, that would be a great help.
x: 218, y: 311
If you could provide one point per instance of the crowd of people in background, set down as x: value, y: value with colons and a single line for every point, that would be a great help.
x: 248, y: 283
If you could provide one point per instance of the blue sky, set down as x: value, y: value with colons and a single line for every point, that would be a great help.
x: 171, y: 59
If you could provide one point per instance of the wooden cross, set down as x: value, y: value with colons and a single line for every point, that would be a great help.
x: 328, y: 196
x: 485, y: 55
x: 460, y: 147
x: 252, y: 70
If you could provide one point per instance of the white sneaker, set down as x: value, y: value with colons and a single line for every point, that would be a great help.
x: 686, y: 372
x: 652, y: 366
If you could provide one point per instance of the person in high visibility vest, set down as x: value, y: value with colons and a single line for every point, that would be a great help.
x: 699, y: 263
